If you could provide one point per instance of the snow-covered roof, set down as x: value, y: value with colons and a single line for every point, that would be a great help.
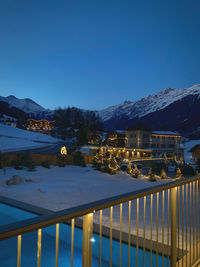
x: 165, y: 133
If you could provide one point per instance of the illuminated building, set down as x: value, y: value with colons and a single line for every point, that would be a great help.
x: 41, y: 126
x: 159, y: 142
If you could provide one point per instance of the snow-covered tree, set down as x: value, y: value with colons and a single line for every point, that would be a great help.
x: 163, y: 174
x: 135, y: 171
x: 151, y: 176
x: 179, y: 174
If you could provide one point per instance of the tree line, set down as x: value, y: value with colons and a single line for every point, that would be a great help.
x: 85, y: 123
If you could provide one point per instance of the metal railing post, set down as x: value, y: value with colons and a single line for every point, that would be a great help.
x: 87, y: 243
x: 173, y: 226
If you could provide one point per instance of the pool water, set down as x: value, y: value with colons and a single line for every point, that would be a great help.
x: 9, y: 214
x: 8, y: 248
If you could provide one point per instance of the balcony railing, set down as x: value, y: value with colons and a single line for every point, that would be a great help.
x: 162, y: 224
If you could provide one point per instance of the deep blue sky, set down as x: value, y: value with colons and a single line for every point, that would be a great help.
x: 92, y: 54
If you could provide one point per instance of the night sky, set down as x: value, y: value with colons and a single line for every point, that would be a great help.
x: 93, y: 54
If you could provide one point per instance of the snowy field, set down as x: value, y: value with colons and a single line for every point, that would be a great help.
x: 59, y: 188
x: 13, y: 139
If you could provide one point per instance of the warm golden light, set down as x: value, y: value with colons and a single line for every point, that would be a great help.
x: 63, y: 150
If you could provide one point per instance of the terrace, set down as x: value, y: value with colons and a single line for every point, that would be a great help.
x: 158, y: 226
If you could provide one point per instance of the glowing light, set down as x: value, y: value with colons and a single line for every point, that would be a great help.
x: 63, y: 150
x: 92, y: 240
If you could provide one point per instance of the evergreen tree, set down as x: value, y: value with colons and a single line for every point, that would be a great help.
x: 113, y: 165
x: 179, y: 174
x: 163, y: 174
x: 135, y: 172
x: 151, y: 176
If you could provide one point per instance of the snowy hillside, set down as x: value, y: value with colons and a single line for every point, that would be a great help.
x: 12, y: 139
x: 149, y: 103
x: 26, y: 104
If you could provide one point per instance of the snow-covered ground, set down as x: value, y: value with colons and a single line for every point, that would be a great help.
x: 60, y: 188
x: 12, y: 139
x: 187, y: 146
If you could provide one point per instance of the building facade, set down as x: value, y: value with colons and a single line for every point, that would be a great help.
x: 196, y: 154
x: 41, y: 126
x: 159, y: 142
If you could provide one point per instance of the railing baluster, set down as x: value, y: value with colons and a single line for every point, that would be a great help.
x: 111, y: 215
x: 19, y: 245
x: 186, y: 221
x: 190, y: 223
x: 157, y: 230
x: 163, y: 214
x: 173, y: 226
x: 183, y: 188
x: 120, y: 237
x: 72, y: 242
x: 144, y: 231
x: 197, y: 218
x: 39, y: 247
x: 100, y: 236
x: 193, y: 219
x: 57, y: 243
x: 168, y: 195
x: 199, y: 213
x: 129, y: 232
x: 151, y: 207
x: 87, y: 242
x: 178, y: 220
x: 137, y: 231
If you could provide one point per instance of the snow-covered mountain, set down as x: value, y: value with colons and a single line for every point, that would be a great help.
x: 28, y: 106
x: 170, y: 109
x: 148, y: 104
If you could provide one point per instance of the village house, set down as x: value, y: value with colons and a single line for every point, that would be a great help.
x: 41, y: 126
x: 195, y: 154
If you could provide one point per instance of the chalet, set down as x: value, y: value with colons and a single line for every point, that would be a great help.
x: 195, y: 154
x: 7, y: 120
x: 41, y: 126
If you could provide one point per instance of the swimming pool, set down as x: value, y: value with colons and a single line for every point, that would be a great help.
x: 10, y: 214
x: 8, y: 248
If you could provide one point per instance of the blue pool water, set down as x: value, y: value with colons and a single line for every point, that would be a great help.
x: 8, y: 249
x: 9, y: 214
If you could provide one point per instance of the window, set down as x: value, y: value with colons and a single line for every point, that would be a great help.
x: 145, y: 136
x: 171, y: 145
x: 163, y: 145
x: 132, y: 135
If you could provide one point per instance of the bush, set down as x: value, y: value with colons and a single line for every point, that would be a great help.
x: 79, y: 159
x: 61, y: 160
x: 45, y: 164
x: 17, y: 164
x: 151, y: 176
x: 157, y: 167
x: 23, y: 160
x: 28, y: 162
x: 187, y: 170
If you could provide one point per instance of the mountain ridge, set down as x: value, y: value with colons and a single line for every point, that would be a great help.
x: 169, y: 109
